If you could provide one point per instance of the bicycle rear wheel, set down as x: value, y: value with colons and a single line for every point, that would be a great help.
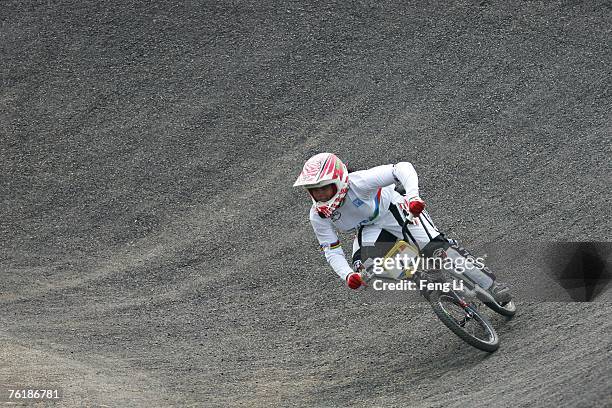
x: 509, y: 309
x: 465, y: 321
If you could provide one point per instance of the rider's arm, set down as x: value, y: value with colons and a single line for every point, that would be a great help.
x: 330, y: 245
x: 405, y: 173
x: 380, y: 176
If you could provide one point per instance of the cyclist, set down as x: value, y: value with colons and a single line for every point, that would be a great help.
x: 369, y: 203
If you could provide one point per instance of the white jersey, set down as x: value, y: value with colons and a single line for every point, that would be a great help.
x: 366, y: 203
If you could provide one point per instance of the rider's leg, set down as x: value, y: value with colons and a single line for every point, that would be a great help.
x: 480, y: 274
x: 429, y: 240
x: 371, y: 242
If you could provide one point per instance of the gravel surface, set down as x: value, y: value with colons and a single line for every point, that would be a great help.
x: 153, y: 252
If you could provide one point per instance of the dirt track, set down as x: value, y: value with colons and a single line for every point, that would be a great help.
x: 155, y: 254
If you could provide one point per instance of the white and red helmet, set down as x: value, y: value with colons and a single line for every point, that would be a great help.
x: 321, y: 170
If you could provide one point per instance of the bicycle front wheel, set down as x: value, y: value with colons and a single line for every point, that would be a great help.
x: 465, y: 321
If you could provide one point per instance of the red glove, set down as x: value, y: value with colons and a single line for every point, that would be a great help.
x: 416, y: 206
x: 354, y: 280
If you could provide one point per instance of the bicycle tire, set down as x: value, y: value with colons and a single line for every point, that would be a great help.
x: 508, y: 309
x: 492, y: 344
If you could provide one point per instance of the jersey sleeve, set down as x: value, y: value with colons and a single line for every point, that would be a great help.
x: 368, y: 181
x: 405, y: 173
x: 330, y: 244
